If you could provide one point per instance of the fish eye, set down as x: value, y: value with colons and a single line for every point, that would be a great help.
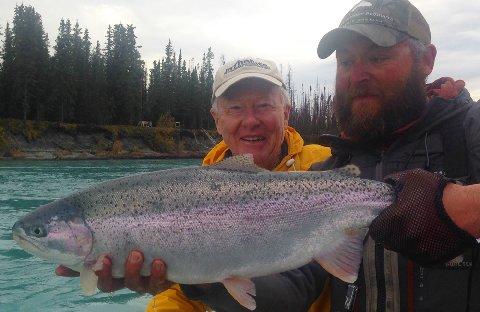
x: 38, y: 231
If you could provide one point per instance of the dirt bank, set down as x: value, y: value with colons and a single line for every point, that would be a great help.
x: 46, y: 140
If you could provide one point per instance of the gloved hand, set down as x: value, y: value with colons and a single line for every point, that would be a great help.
x: 416, y: 224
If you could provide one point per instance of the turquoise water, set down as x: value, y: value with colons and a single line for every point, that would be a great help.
x: 28, y: 283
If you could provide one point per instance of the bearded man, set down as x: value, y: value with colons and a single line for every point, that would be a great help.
x: 384, y: 55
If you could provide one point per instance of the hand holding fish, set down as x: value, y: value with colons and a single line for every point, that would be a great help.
x: 431, y: 220
x: 153, y: 284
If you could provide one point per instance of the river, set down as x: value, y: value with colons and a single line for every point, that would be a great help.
x: 28, y: 283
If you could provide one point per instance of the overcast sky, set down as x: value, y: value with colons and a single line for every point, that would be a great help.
x: 284, y: 31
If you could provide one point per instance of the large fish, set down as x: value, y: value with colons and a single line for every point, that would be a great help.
x: 223, y: 223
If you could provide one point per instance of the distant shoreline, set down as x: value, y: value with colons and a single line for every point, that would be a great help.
x: 149, y: 157
x: 59, y: 141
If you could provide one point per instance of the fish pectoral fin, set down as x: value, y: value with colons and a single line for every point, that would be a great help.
x: 344, y: 258
x: 242, y: 290
x: 242, y: 163
x: 88, y: 281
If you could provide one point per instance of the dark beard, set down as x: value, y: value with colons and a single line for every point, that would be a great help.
x: 402, y: 107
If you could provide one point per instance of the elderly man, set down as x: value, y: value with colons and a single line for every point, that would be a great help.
x: 384, y: 54
x: 251, y: 108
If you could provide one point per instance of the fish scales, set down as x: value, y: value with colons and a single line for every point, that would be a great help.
x: 214, y: 225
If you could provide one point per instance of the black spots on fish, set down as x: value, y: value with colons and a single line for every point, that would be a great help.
x: 176, y: 231
x: 247, y: 195
x: 194, y: 203
x: 175, y: 206
x: 215, y: 186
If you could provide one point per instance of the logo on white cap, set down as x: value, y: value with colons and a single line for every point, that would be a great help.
x: 246, y: 62
x: 362, y: 4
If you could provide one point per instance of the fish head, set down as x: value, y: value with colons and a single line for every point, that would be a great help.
x: 55, y: 232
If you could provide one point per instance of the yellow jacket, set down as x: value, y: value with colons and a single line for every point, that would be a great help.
x: 304, y: 155
x: 173, y: 300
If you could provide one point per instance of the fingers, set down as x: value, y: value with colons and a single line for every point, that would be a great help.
x: 157, y: 282
x: 459, y: 84
x: 106, y: 283
x: 133, y: 279
x: 446, y: 88
x: 66, y: 272
x: 451, y: 88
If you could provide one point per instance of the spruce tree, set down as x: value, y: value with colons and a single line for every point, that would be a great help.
x: 167, y: 75
x: 63, y: 91
x: 193, y: 93
x: 30, y: 64
x: 206, y: 82
x: 136, y: 78
x: 96, y: 98
x: 125, y: 74
x: 208, y: 85
x: 154, y: 92
x: 83, y: 114
x: 79, y: 72
x: 7, y: 74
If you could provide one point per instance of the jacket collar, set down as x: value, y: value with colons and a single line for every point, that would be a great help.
x: 292, y: 140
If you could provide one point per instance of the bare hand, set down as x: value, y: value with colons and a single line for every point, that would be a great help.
x: 445, y: 87
x: 152, y: 284
x: 462, y: 204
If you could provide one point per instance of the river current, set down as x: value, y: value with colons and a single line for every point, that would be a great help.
x: 28, y: 283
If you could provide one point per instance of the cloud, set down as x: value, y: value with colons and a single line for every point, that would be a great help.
x: 285, y: 31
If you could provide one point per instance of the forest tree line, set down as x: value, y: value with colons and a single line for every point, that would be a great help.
x: 82, y: 82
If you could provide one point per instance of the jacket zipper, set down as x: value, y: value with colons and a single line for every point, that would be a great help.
x: 380, y: 271
x: 379, y: 167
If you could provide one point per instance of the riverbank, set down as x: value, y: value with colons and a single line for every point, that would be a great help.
x: 48, y: 140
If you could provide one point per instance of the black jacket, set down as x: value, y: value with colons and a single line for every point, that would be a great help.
x: 447, y: 140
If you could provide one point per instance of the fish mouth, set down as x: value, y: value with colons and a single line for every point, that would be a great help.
x: 20, y: 237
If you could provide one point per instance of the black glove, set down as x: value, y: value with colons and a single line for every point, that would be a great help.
x: 416, y: 224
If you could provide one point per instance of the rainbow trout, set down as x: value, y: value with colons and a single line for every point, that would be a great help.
x: 225, y: 223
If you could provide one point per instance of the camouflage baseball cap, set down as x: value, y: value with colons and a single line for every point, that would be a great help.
x: 239, y: 69
x: 385, y: 22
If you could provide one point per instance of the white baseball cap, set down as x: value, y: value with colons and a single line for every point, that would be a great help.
x: 249, y: 67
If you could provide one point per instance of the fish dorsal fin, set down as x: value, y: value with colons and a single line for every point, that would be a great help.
x: 349, y: 171
x: 242, y: 290
x: 344, y: 258
x: 243, y: 163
